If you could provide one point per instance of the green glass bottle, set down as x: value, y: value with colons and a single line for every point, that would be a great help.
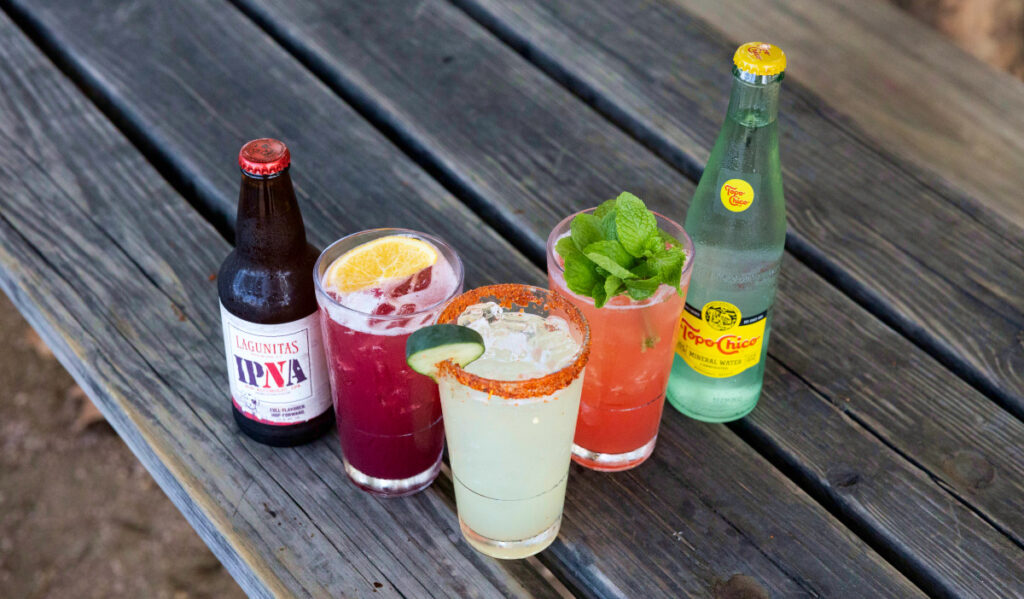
x: 738, y: 224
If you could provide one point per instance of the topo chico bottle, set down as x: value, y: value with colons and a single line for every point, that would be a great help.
x: 277, y: 372
x: 738, y: 224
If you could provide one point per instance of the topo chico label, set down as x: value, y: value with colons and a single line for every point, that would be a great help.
x: 277, y: 372
x: 718, y: 341
x: 737, y: 190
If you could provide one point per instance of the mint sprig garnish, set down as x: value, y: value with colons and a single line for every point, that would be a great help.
x: 619, y: 249
x: 634, y: 224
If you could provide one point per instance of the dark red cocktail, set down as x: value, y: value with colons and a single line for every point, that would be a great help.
x: 375, y: 288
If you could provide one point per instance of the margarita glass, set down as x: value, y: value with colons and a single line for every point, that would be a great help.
x: 388, y: 416
x: 633, y: 345
x: 510, y: 415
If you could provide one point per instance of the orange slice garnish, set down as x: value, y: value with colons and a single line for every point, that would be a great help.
x: 366, y: 265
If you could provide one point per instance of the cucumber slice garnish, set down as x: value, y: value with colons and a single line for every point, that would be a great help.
x: 429, y: 346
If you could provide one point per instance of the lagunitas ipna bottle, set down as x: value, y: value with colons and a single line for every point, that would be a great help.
x: 277, y: 372
x: 738, y: 224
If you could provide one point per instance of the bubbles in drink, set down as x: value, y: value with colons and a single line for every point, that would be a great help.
x: 518, y: 345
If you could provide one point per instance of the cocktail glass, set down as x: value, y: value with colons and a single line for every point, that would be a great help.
x: 632, y: 347
x: 510, y: 441
x: 388, y: 416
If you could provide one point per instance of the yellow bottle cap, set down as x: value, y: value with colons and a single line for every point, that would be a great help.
x: 760, y: 58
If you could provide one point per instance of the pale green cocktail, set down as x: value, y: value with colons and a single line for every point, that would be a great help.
x: 510, y: 416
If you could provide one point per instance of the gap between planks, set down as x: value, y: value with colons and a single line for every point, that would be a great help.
x: 200, y: 197
x: 406, y: 142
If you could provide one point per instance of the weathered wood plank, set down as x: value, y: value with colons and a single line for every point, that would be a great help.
x: 663, y: 75
x: 902, y: 83
x: 901, y: 395
x: 265, y: 87
x: 112, y: 267
x: 859, y: 477
x: 428, y: 109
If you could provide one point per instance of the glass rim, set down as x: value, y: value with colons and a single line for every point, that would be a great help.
x: 564, y: 226
x: 506, y: 295
x: 457, y: 268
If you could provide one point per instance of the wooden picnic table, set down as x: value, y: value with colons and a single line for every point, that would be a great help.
x: 886, y: 457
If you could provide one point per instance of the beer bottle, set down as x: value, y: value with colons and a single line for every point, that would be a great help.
x: 738, y: 224
x: 277, y: 372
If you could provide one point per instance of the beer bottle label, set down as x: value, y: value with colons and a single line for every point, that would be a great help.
x: 718, y: 340
x: 277, y: 372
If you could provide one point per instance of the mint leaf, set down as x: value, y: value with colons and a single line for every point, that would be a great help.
x: 612, y: 286
x: 634, y: 223
x: 613, y: 250
x: 612, y: 257
x: 645, y: 270
x: 653, y: 245
x: 581, y: 274
x: 600, y: 297
x: 605, y: 207
x: 608, y: 225
x: 669, y: 266
x: 609, y: 266
x: 586, y: 229
x: 641, y: 289
x: 566, y: 248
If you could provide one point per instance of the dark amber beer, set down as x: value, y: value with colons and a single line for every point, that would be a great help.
x: 277, y: 373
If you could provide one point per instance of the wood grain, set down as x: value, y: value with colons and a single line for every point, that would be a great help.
x: 270, y: 89
x: 859, y: 213
x: 429, y: 111
x: 901, y: 395
x: 112, y: 267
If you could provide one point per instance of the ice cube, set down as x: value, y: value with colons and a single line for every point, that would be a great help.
x: 422, y: 279
x: 472, y: 314
x: 402, y: 288
x: 384, y: 309
x: 518, y: 345
x: 492, y: 311
x: 413, y: 283
x: 480, y: 325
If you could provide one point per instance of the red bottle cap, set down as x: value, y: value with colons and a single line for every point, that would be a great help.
x: 264, y: 157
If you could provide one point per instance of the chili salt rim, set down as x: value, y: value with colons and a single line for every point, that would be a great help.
x: 522, y: 295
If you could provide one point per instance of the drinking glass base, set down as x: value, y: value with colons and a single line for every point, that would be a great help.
x: 613, y: 462
x: 392, y: 487
x: 511, y: 549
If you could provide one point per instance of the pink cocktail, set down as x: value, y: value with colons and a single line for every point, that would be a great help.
x: 388, y: 416
x: 632, y: 347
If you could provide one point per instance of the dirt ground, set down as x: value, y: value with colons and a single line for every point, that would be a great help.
x: 79, y: 515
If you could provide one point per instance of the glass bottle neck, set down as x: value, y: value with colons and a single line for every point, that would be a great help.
x: 754, y: 104
x: 269, y: 221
